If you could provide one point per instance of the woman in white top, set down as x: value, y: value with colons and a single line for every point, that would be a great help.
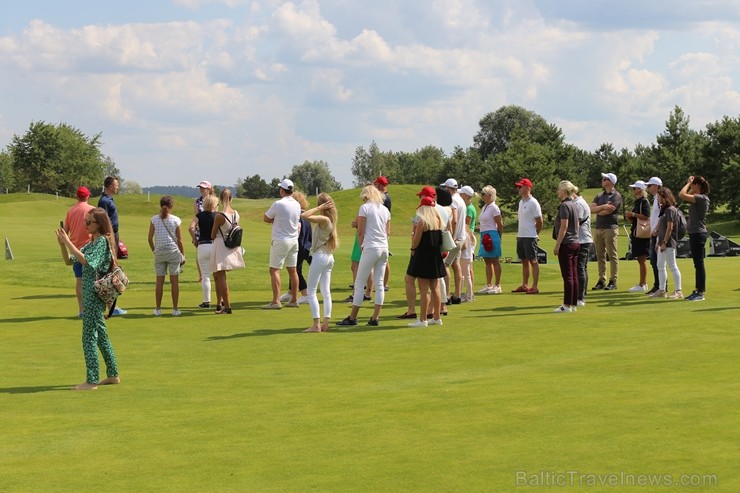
x: 491, y: 232
x: 224, y: 259
x: 165, y: 240
x: 324, y: 242
x: 373, y: 227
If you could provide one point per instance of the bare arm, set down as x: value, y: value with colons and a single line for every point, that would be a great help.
x: 684, y: 194
x: 151, y: 236
x: 499, y: 225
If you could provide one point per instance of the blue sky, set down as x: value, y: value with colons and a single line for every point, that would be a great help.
x: 185, y: 90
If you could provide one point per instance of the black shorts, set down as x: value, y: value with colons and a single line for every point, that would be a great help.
x: 526, y: 249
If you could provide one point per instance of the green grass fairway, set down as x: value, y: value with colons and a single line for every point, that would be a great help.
x: 505, y: 396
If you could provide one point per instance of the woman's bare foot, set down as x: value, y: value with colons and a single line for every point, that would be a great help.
x: 110, y: 381
x: 325, y: 327
x: 85, y: 386
x: 313, y: 328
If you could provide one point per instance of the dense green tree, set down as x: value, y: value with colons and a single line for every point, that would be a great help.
x: 721, y: 162
x: 57, y: 158
x: 497, y: 130
x: 312, y: 176
x: 367, y: 164
x: 423, y: 166
x: 253, y: 187
x: 7, y: 178
x: 677, y: 150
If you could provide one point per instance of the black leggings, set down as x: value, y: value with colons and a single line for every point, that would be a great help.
x: 697, y: 243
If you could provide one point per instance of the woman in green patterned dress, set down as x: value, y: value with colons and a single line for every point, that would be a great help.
x: 95, y: 257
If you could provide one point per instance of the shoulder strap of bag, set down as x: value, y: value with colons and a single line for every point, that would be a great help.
x: 168, y: 229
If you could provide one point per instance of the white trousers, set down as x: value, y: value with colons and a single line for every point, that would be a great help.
x: 319, y: 277
x: 204, y: 261
x: 375, y: 260
x: 667, y: 259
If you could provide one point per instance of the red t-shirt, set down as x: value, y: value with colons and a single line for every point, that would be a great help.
x: 75, y: 223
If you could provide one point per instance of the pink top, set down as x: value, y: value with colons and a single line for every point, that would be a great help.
x: 75, y: 223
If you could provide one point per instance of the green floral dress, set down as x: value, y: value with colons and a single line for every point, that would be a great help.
x: 94, y: 333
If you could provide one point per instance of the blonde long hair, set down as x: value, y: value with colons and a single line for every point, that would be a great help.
x: 429, y: 218
x: 333, y: 241
x: 371, y: 194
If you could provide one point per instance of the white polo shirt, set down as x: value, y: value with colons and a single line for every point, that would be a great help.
x: 529, y: 211
x: 376, y: 217
x: 286, y: 216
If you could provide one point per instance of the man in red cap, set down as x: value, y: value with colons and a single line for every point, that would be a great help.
x: 530, y: 225
x: 74, y: 226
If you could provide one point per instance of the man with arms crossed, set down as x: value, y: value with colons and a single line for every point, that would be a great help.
x: 606, y: 206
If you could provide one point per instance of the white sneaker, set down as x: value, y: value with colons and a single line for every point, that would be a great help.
x: 638, y: 288
x: 434, y: 322
x: 496, y: 289
x: 286, y: 297
x: 157, y: 312
x: 658, y: 294
x: 573, y: 308
x: 176, y: 312
x: 562, y: 309
x: 302, y: 300
x: 486, y: 290
x: 581, y: 303
x: 418, y: 323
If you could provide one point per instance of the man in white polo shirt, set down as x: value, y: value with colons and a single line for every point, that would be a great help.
x: 459, y: 213
x: 285, y: 217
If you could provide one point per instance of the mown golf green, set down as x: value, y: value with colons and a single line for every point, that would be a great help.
x: 505, y: 396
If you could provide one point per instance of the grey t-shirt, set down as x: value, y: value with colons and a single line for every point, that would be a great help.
x: 569, y: 211
x: 668, y: 214
x: 611, y: 220
x: 697, y: 221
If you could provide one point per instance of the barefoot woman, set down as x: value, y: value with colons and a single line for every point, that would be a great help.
x: 95, y: 257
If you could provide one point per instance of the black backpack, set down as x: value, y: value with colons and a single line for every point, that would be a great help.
x: 234, y: 238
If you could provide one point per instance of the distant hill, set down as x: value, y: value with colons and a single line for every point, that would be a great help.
x: 178, y: 190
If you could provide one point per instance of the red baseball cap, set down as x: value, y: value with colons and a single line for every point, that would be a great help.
x: 524, y: 182
x: 382, y: 180
x: 83, y: 193
x: 426, y: 200
x: 427, y: 192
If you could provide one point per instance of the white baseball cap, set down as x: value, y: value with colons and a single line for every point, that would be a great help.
x: 467, y: 190
x: 610, y: 176
x: 450, y: 183
x: 639, y: 184
x: 655, y: 181
x: 286, y: 184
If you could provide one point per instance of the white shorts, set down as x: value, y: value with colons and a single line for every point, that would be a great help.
x: 283, y: 253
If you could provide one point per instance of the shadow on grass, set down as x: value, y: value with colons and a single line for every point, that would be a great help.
x: 35, y: 390
x: 45, y: 296
x: 332, y: 330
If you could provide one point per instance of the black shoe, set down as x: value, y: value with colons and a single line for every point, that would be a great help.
x: 347, y: 321
x: 348, y: 299
x: 612, y: 286
x: 651, y: 291
x: 599, y: 285
x: 454, y: 300
x: 371, y: 322
x: 205, y: 304
x: 366, y: 297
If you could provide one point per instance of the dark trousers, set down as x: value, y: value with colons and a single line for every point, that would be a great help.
x: 583, y: 254
x: 654, y: 261
x: 697, y: 243
x: 303, y: 255
x: 568, y: 258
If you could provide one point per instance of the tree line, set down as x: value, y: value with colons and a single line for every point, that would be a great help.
x: 513, y: 142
